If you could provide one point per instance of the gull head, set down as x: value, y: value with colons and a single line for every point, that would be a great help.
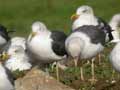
x: 37, y: 27
x: 82, y: 10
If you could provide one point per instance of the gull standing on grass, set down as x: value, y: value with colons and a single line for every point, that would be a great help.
x: 86, y: 42
x: 85, y: 16
x: 45, y: 45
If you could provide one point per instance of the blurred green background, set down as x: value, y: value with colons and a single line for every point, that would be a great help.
x: 20, y: 14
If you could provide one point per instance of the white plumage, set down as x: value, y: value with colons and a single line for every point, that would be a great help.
x: 79, y: 44
x: 41, y: 44
x: 86, y: 42
x: 18, y: 60
x: 115, y: 57
x: 5, y: 83
x: 46, y: 46
x: 19, y: 41
x: 115, y: 25
x: 84, y: 16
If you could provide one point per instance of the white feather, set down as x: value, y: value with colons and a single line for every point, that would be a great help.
x: 85, y: 18
x: 83, y: 45
x: 18, y: 59
x: 18, y: 41
x: 115, y: 57
x: 5, y: 84
x: 115, y: 25
x: 41, y: 44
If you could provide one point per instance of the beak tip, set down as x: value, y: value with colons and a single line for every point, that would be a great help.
x: 74, y: 17
x: 33, y: 34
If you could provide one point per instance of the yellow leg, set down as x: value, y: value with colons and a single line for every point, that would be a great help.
x: 76, y: 62
x: 81, y: 73
x: 81, y: 69
x: 93, y: 80
x: 113, y: 74
x: 53, y: 65
x: 99, y: 58
x: 88, y: 62
x: 118, y: 76
x: 113, y: 77
x: 93, y: 69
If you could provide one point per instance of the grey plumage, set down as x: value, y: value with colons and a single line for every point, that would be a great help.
x: 96, y: 35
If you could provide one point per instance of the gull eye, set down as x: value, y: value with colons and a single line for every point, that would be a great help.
x: 16, y: 51
x: 84, y: 11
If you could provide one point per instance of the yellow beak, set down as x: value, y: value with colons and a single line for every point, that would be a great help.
x: 5, y: 56
x: 33, y: 34
x: 74, y: 17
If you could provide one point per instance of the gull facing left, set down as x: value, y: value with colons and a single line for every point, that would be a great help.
x: 46, y: 46
x: 17, y: 59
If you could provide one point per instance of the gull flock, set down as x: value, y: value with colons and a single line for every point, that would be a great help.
x: 88, y: 38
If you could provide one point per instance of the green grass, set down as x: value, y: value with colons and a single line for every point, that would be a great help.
x: 20, y: 14
x: 103, y: 74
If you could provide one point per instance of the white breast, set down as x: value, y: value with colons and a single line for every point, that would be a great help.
x: 84, y: 20
x: 41, y: 47
x: 88, y: 49
x: 20, y: 41
x: 18, y: 62
x: 115, y: 57
x: 116, y: 34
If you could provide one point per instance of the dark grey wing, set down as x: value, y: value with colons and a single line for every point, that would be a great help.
x: 103, y: 25
x: 58, y: 44
x: 4, y: 33
x: 96, y: 34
